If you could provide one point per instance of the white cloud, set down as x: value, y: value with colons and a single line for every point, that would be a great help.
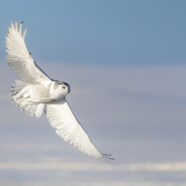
x: 80, y: 166
x: 93, y: 183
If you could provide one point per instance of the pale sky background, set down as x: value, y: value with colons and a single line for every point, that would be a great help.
x: 126, y: 64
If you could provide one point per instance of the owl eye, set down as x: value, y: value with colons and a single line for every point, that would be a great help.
x: 63, y: 87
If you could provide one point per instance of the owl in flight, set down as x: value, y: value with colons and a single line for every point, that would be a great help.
x: 35, y: 92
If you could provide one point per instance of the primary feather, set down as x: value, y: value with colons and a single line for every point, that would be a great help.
x: 20, y: 59
x: 63, y: 120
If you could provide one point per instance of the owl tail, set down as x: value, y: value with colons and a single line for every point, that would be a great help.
x: 17, y: 93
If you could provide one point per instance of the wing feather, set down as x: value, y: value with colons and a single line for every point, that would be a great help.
x: 20, y: 59
x: 67, y: 127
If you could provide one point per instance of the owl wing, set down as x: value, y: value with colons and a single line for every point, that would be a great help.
x: 67, y: 127
x: 20, y: 59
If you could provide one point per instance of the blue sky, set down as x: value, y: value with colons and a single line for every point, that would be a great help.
x: 121, y: 32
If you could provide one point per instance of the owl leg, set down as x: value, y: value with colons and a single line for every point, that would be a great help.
x: 25, y: 101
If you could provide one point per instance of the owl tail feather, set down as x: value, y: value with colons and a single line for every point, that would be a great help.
x: 17, y: 93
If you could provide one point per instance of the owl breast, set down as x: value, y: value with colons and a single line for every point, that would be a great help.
x: 40, y: 93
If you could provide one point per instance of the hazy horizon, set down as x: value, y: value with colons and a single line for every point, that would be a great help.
x: 135, y: 113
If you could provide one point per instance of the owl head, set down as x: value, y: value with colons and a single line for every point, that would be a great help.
x: 59, y: 89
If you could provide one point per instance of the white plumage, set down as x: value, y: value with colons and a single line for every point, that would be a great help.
x: 36, y: 92
x: 20, y: 59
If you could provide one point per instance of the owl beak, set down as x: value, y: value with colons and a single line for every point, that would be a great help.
x: 68, y: 89
x: 67, y: 86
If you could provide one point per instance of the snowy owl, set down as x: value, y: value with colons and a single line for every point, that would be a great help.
x: 35, y: 92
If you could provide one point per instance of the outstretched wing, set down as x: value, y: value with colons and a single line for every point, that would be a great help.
x: 67, y: 127
x: 20, y: 59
